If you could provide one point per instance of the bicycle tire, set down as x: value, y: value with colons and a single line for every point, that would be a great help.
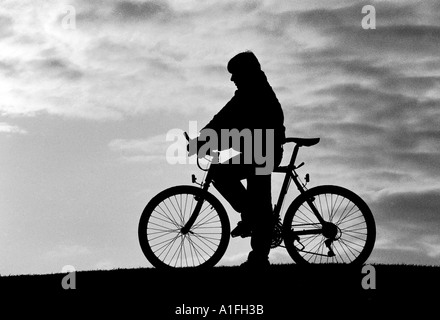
x: 161, y: 239
x: 340, y: 206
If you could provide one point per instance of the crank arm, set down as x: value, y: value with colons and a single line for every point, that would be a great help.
x: 328, y: 244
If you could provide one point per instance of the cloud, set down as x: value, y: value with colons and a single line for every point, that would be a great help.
x: 8, y: 68
x: 427, y: 162
x: 105, y: 265
x: 234, y: 259
x: 126, y: 51
x: 395, y: 40
x: 408, y: 221
x: 404, y: 244
x: 129, y: 10
x: 55, y: 67
x: 370, y: 94
x: 169, y: 47
x: 141, y: 150
x: 67, y: 252
x: 370, y: 104
x: 6, y: 26
x: 11, y: 129
x: 410, y: 206
x: 115, y: 11
x: 417, y: 85
x: 397, y: 25
x: 431, y: 245
x: 395, y: 55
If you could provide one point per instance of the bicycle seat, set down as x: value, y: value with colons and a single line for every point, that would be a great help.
x: 303, y: 142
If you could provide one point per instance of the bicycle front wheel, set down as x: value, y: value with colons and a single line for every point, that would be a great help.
x: 160, y: 229
x: 347, y: 237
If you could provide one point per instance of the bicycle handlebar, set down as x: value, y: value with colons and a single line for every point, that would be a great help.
x: 197, y: 157
x: 300, y: 142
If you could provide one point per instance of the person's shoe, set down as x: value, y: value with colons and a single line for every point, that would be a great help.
x: 242, y: 229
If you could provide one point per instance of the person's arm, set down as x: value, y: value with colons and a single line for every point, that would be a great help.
x: 223, y: 118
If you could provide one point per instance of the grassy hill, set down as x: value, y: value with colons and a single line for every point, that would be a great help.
x: 230, y: 292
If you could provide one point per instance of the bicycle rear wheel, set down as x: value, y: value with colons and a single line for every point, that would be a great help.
x: 162, y: 220
x: 347, y: 238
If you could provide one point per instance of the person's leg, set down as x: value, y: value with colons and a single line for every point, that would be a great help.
x: 227, y: 180
x: 259, y: 190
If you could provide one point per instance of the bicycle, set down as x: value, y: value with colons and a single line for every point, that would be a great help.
x: 187, y: 226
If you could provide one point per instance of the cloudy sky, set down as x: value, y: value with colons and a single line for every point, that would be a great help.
x: 90, y: 88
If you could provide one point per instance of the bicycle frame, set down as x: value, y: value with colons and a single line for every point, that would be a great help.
x: 290, y: 174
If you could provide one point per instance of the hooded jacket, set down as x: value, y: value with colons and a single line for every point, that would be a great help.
x: 253, y: 107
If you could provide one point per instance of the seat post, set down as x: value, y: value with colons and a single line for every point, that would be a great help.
x: 293, y: 157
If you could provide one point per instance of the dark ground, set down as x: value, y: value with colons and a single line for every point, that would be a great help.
x: 283, y: 291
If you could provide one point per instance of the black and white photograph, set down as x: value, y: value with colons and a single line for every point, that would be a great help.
x: 220, y: 159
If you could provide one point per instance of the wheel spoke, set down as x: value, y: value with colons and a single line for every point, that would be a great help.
x: 349, y: 217
x: 162, y: 240
x: 170, y: 216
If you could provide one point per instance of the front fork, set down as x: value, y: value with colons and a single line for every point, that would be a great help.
x: 200, y: 199
x: 187, y: 227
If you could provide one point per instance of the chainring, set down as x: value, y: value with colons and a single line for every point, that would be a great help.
x: 277, y: 235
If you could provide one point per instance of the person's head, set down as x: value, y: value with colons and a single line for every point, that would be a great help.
x: 243, y: 67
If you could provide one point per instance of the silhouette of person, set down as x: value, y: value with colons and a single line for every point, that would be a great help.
x: 253, y: 106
